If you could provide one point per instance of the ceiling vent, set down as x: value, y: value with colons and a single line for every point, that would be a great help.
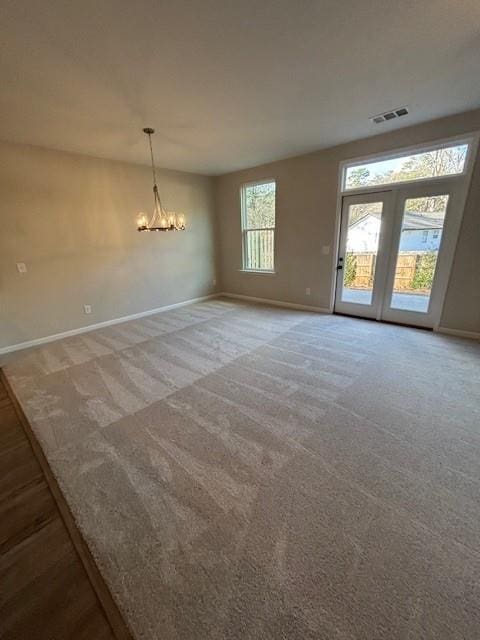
x: 389, y: 115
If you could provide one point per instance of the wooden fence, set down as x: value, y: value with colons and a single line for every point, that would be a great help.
x: 258, y: 247
x: 405, y: 271
x: 407, y: 263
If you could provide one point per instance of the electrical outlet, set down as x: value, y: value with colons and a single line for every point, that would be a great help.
x: 22, y: 267
x: 87, y: 308
x: 307, y: 291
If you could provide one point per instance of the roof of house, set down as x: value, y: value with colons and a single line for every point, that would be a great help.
x: 418, y: 220
x: 413, y: 220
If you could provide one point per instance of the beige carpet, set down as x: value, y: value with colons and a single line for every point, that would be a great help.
x: 246, y: 472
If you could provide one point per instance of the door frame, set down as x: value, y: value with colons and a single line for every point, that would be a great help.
x: 472, y: 138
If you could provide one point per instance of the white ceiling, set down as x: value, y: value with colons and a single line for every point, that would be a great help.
x: 229, y: 83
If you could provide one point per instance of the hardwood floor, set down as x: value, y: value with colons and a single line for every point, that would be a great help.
x: 45, y: 593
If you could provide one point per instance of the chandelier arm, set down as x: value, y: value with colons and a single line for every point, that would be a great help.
x: 159, y: 201
x: 152, y: 219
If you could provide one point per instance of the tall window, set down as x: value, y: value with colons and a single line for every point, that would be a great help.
x: 258, y: 225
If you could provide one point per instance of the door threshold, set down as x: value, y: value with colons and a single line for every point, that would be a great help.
x: 397, y: 324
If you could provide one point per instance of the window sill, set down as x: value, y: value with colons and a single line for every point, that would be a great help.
x: 262, y: 272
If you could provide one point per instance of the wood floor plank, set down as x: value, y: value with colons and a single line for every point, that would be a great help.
x: 10, y: 434
x: 4, y: 402
x: 24, y: 513
x: 19, y: 468
x: 45, y: 592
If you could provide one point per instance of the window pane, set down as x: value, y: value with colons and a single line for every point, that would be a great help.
x: 422, y: 227
x: 260, y: 205
x: 446, y: 161
x: 259, y: 249
x: 363, y: 233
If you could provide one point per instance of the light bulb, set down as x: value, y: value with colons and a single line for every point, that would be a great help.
x: 141, y: 220
x: 163, y: 222
x: 180, y: 221
x: 171, y: 220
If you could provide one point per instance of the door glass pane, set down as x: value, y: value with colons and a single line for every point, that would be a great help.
x: 421, y: 235
x: 363, y: 233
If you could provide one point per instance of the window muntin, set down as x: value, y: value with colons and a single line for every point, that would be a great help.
x: 258, y: 225
x: 448, y: 160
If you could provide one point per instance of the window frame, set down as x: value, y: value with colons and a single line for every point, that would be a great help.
x: 469, y: 139
x: 243, y: 220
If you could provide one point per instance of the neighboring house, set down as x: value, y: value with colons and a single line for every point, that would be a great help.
x: 420, y: 232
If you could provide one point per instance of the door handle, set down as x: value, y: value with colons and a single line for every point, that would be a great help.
x: 340, y: 264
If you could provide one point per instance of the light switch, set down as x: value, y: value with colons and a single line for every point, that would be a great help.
x: 326, y: 249
x: 22, y: 267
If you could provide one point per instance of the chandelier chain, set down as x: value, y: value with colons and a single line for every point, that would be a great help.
x: 156, y: 195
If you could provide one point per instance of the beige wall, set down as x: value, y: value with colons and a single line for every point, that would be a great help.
x: 306, y: 211
x: 71, y: 219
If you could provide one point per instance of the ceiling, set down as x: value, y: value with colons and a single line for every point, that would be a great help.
x: 229, y: 83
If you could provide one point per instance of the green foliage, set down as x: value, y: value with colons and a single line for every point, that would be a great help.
x: 438, y: 162
x: 350, y: 269
x: 430, y: 204
x: 260, y: 205
x: 424, y: 271
x: 359, y: 177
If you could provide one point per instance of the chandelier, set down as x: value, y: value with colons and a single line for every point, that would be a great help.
x: 161, y: 220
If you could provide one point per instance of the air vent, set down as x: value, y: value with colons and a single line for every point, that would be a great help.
x: 389, y: 115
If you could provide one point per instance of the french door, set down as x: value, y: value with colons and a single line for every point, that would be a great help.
x: 395, y: 252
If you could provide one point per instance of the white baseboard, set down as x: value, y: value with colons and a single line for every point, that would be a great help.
x: 100, y: 325
x: 276, y: 303
x: 475, y: 335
